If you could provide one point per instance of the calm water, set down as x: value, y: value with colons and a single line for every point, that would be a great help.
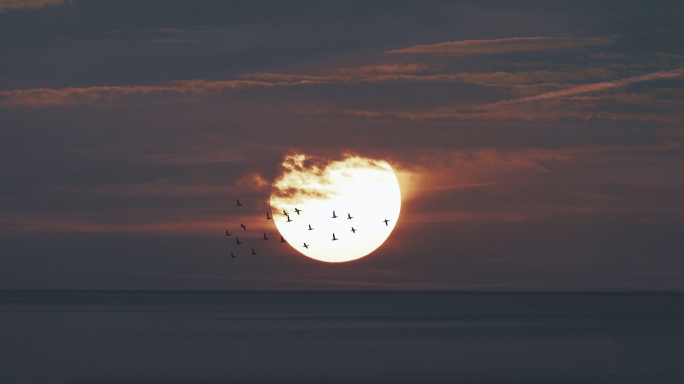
x: 220, y: 337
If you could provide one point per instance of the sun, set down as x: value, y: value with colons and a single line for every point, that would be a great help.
x: 357, y: 199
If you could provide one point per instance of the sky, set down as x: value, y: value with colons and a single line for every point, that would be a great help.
x: 539, y: 145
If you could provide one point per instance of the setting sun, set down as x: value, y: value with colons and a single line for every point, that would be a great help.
x: 364, y: 189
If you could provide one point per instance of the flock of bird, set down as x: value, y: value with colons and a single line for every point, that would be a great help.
x: 282, y: 240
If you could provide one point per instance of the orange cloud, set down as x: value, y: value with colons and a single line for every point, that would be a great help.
x: 253, y: 181
x: 492, y: 78
x: 499, y: 46
x: 203, y: 226
x: 394, y: 68
x: 73, y: 96
x: 18, y: 4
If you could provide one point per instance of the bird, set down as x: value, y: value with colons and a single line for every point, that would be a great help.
x: 282, y: 240
x: 353, y: 230
x: 306, y: 246
x: 238, y: 204
x: 253, y: 253
x: 386, y: 221
x: 310, y: 229
x: 227, y: 234
x: 288, y: 219
x: 237, y: 240
x: 333, y: 239
x: 243, y: 227
x: 297, y: 210
x: 285, y: 213
x: 265, y: 238
x: 349, y: 216
x: 267, y: 216
x: 334, y: 217
x: 231, y: 255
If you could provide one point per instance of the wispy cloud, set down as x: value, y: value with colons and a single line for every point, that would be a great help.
x: 592, y: 87
x: 19, y: 4
x: 499, y: 46
x: 573, y: 102
x: 73, y: 96
x: 161, y: 41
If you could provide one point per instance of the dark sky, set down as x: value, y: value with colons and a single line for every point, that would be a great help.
x: 541, y: 143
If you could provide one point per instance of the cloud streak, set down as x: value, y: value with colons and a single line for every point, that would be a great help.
x: 72, y: 96
x: 19, y: 4
x: 501, y: 46
x: 592, y: 87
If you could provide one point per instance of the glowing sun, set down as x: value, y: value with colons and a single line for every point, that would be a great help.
x: 364, y: 189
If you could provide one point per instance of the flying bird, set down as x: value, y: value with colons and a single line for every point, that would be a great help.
x: 297, y: 210
x: 231, y: 255
x: 310, y: 229
x: 349, y: 216
x: 238, y: 204
x: 227, y: 234
x: 288, y: 219
x: 267, y: 216
x: 386, y: 221
x: 285, y: 213
x: 237, y: 240
x: 334, y: 217
x: 253, y: 253
x: 306, y: 246
x: 282, y: 240
x: 243, y: 227
x: 265, y: 238
x: 353, y: 230
x: 333, y: 239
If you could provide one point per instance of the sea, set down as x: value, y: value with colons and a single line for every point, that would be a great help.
x: 203, y: 337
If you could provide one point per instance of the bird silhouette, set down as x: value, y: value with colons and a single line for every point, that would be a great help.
x: 349, y: 216
x: 238, y: 204
x: 227, y: 234
x: 288, y: 219
x: 297, y: 210
x: 282, y: 240
x: 254, y: 253
x: 237, y: 240
x: 285, y: 213
x: 353, y: 230
x: 310, y: 229
x: 243, y: 227
x: 306, y: 246
x: 333, y: 239
x: 386, y: 221
x: 267, y: 216
x: 334, y: 217
x: 231, y: 255
x: 265, y: 238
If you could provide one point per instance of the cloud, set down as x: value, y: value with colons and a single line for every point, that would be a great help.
x: 252, y: 181
x: 161, y: 41
x: 499, y: 46
x: 660, y: 105
x: 19, y: 4
x: 393, y: 68
x: 616, y: 107
x: 488, y: 79
x: 592, y: 87
x: 73, y: 96
x: 37, y: 225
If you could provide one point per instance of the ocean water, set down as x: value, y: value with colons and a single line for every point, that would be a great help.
x: 324, y: 337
